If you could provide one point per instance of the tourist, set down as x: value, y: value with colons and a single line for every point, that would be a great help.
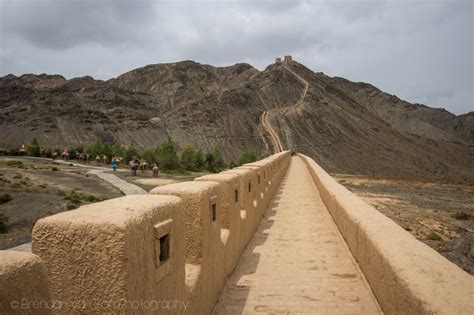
x: 143, y: 165
x: 133, y: 167
x: 155, y: 170
x: 114, y: 164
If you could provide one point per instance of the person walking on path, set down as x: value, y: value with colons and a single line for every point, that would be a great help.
x: 133, y: 167
x: 155, y: 170
x: 114, y: 164
x: 143, y: 165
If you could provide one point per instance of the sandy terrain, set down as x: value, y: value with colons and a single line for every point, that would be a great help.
x: 40, y: 188
x: 441, y: 215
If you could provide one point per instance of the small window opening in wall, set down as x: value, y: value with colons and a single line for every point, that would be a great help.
x: 236, y: 195
x: 259, y: 179
x: 250, y: 186
x: 213, y: 212
x: 164, y: 248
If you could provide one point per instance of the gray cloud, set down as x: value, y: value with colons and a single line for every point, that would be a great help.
x: 415, y: 49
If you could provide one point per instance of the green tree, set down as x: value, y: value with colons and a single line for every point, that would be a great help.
x: 214, y: 161
x: 95, y: 149
x: 167, y: 155
x: 247, y: 156
x: 117, y: 150
x: 33, y: 149
x: 149, y: 156
x: 191, y: 158
x: 130, y: 153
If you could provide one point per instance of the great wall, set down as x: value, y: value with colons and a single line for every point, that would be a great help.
x: 277, y: 235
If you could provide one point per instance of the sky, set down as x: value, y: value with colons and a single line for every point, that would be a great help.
x: 419, y: 50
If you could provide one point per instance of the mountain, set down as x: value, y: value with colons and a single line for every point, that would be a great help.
x: 346, y: 126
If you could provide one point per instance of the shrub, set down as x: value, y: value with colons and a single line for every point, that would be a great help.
x: 167, y: 155
x: 33, y: 149
x: 213, y: 161
x: 3, y: 223
x: 54, y: 169
x: 191, y: 158
x: 247, y: 156
x: 91, y: 198
x: 71, y: 206
x: 15, y: 163
x: 4, y: 198
x: 434, y: 236
x: 460, y: 215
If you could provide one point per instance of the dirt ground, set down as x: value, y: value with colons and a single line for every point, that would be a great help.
x: 39, y: 188
x: 440, y: 215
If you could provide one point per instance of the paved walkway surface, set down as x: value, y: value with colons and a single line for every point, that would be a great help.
x: 297, y: 262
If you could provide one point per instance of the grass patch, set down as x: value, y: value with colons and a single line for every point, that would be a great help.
x: 433, y: 236
x: 91, y: 198
x: 175, y: 172
x: 72, y: 206
x: 4, y: 198
x: 15, y: 163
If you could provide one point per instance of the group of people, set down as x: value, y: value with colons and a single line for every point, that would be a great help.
x: 135, y: 163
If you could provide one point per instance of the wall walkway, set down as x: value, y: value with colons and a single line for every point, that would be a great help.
x: 297, y: 261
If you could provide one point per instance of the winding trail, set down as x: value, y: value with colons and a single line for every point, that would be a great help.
x: 265, y: 121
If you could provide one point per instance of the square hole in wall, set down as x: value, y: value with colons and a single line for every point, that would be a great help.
x: 164, y: 248
x: 250, y: 186
x: 236, y: 195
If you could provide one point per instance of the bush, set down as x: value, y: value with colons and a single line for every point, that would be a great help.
x: 54, y: 169
x: 247, y: 156
x: 71, y: 206
x: 130, y: 153
x: 15, y: 163
x: 460, y: 215
x: 213, y: 161
x: 167, y: 155
x: 434, y: 236
x: 33, y: 149
x: 191, y: 158
x: 3, y: 223
x: 4, y: 198
x: 91, y: 198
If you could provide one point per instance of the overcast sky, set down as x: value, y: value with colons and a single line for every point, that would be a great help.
x: 420, y: 50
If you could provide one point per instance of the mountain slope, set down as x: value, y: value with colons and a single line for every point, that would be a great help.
x: 348, y: 127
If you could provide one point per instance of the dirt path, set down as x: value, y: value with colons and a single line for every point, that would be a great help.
x: 124, y: 186
x: 277, y: 145
x: 297, y: 262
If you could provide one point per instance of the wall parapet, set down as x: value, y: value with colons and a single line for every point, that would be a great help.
x: 179, y: 243
x: 406, y: 276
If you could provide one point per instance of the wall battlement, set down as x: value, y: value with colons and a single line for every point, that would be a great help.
x: 406, y: 275
x: 179, y: 243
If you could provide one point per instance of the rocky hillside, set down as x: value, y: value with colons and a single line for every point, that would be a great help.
x: 348, y: 127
